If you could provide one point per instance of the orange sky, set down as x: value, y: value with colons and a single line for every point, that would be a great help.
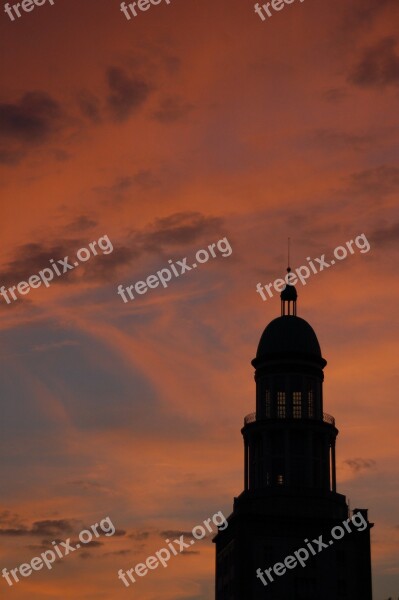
x: 193, y: 122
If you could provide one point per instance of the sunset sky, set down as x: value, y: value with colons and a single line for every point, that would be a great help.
x: 193, y: 122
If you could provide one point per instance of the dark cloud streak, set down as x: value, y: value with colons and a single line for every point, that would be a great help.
x: 360, y: 464
x: 380, y: 180
x: 127, y: 94
x: 32, y: 119
x: 379, y: 65
x: 386, y: 235
x: 51, y: 528
x: 163, y: 235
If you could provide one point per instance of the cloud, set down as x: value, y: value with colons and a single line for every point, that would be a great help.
x: 118, y: 553
x: 92, y: 544
x: 119, y: 533
x: 360, y: 464
x: 47, y: 544
x: 168, y: 232
x: 172, y: 109
x: 32, y: 119
x: 104, y: 270
x: 51, y: 528
x: 177, y: 229
x: 386, y: 235
x: 380, y: 180
x: 364, y: 12
x: 31, y: 258
x: 174, y: 533
x: 15, y: 532
x: 10, y: 519
x: 144, y: 179
x: 126, y: 95
x: 89, y: 106
x: 82, y: 223
x: 27, y: 123
x: 35, y: 118
x: 379, y: 65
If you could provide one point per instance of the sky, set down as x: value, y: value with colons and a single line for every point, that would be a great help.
x: 191, y: 123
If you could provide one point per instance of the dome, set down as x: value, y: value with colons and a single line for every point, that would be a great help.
x: 289, y: 334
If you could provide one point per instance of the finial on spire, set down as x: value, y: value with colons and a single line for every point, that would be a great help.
x: 289, y: 294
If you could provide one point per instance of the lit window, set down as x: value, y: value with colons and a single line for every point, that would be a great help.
x: 267, y: 403
x: 280, y: 479
x: 297, y: 405
x: 310, y: 404
x: 281, y: 405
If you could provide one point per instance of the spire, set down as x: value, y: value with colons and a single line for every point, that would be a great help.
x: 289, y: 294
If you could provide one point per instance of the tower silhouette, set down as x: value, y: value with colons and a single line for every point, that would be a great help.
x: 290, y: 497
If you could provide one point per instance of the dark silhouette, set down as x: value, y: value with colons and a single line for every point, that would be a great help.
x: 290, y: 500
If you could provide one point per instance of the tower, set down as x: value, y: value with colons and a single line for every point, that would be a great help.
x: 290, y: 499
